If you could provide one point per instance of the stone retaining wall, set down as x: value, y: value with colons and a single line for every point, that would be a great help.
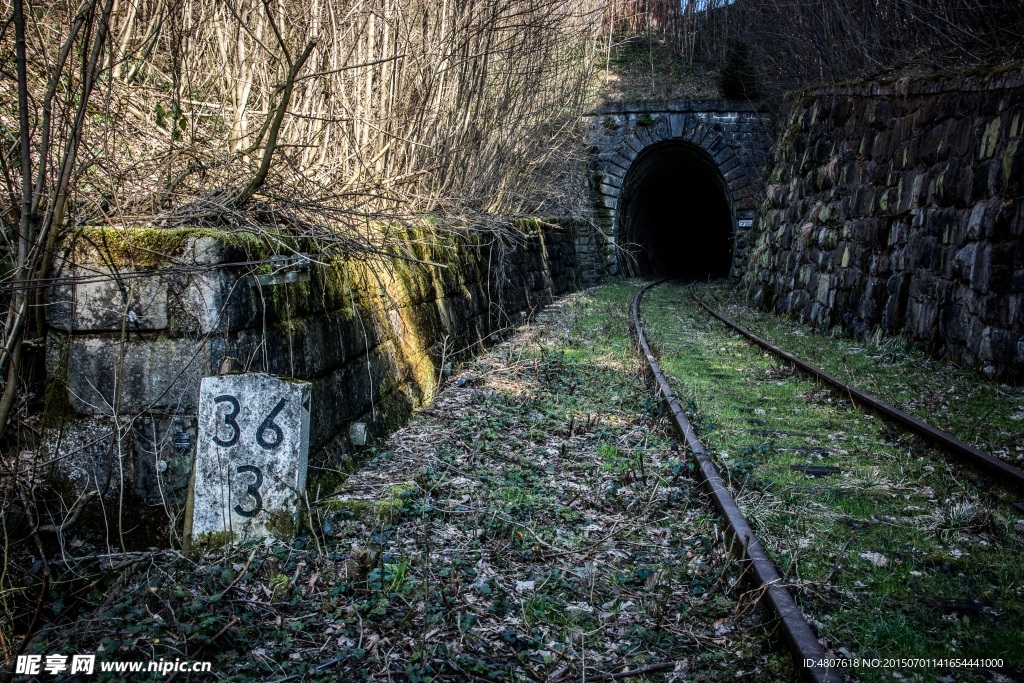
x: 897, y: 205
x: 169, y: 307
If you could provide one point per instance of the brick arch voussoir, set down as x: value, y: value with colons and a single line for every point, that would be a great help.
x: 720, y: 151
x: 698, y: 134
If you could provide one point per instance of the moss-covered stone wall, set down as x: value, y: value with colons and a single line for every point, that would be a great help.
x: 157, y: 310
x: 896, y: 206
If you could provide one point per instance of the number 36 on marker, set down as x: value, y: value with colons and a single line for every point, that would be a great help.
x: 251, y: 453
x: 231, y: 422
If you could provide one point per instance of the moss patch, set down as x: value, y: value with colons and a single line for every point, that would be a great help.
x: 215, y: 540
x: 146, y: 247
x: 385, y: 509
x: 282, y: 525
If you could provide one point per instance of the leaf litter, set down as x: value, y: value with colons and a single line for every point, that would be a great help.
x: 535, y: 523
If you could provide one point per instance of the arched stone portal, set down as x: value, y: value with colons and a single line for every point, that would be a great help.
x: 676, y: 184
x: 674, y: 214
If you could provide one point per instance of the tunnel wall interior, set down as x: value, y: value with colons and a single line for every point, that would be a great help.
x: 674, y: 215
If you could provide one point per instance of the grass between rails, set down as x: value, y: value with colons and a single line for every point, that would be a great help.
x: 535, y: 523
x: 987, y: 414
x: 897, y: 555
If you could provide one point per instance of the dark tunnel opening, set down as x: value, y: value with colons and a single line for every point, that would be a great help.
x: 674, y: 215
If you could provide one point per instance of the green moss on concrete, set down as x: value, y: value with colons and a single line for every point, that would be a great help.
x: 147, y: 246
x: 386, y: 510
x: 357, y: 509
x: 215, y: 540
x: 282, y: 525
x: 389, y: 509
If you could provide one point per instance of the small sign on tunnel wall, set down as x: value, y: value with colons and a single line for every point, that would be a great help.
x: 252, y: 452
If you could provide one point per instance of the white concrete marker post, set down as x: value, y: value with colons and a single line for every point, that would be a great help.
x: 251, y: 456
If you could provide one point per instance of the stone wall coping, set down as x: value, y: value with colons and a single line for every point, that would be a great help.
x: 1008, y: 79
x: 677, y: 107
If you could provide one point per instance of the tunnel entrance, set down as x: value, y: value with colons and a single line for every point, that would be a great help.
x: 674, y: 215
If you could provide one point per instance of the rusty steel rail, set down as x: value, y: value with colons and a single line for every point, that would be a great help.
x: 1003, y: 471
x: 806, y: 651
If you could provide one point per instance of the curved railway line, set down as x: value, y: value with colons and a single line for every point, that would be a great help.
x: 798, y: 635
x: 796, y: 631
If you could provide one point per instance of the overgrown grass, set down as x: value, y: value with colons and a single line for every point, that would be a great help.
x: 641, y: 68
x: 900, y: 554
x: 987, y: 414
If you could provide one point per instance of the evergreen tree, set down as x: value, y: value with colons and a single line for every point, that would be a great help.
x: 737, y: 78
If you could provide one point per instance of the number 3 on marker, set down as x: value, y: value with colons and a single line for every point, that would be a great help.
x: 230, y: 419
x: 253, y: 490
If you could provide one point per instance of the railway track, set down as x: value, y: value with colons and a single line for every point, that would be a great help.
x: 799, y: 637
x: 895, y: 553
x: 1006, y: 473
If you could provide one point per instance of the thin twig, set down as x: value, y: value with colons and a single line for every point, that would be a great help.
x: 650, y: 668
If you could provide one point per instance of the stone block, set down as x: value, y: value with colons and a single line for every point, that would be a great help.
x: 963, y: 263
x: 1012, y: 162
x: 623, y: 158
x: 142, y: 374
x: 869, y: 303
x: 633, y: 144
x: 214, y: 301
x: 981, y: 268
x: 824, y: 291
x: 85, y: 452
x: 643, y: 134
x: 922, y: 318
x: 934, y: 146
x: 1000, y: 279
x: 328, y: 341
x: 729, y: 162
x: 114, y: 298
x: 996, y: 348
x: 897, y: 287
x: 915, y: 185
x: 880, y: 147
x: 251, y: 459
x: 1002, y: 217
x: 952, y: 324
x: 678, y: 124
